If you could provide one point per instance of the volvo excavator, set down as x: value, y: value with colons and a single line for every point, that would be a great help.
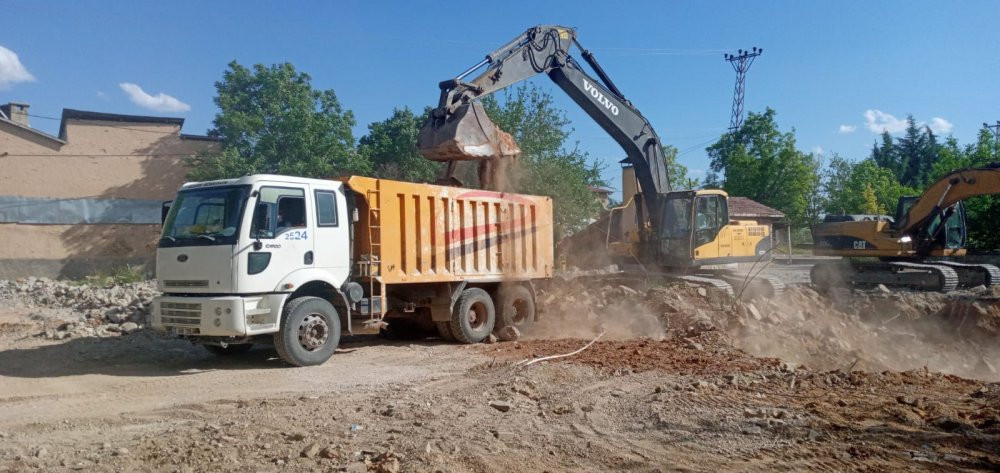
x: 916, y: 249
x: 674, y: 234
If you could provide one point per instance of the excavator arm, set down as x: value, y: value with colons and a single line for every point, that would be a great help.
x: 458, y: 129
x: 942, y: 196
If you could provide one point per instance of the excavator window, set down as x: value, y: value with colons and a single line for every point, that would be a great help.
x: 711, y: 215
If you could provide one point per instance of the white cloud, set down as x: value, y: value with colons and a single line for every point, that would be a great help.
x: 878, y: 121
x: 11, y: 69
x: 940, y: 125
x: 160, y: 102
x: 817, y: 150
x: 845, y: 129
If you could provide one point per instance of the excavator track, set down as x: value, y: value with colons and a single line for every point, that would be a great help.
x: 757, y: 286
x: 972, y: 275
x: 920, y: 276
x: 712, y: 282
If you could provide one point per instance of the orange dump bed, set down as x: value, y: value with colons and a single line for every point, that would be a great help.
x: 428, y: 233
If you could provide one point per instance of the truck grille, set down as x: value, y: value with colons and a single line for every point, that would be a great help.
x: 180, y: 314
x: 185, y: 283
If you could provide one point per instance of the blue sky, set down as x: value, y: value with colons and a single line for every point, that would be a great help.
x: 825, y: 67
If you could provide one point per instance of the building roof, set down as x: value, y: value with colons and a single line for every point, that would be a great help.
x: 70, y: 114
x: 29, y: 129
x: 600, y: 190
x: 744, y: 207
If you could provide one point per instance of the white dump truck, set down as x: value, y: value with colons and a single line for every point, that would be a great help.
x: 294, y: 261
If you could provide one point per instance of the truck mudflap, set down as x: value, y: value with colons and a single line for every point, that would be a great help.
x: 226, y: 316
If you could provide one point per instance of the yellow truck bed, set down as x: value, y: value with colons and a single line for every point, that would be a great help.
x: 423, y: 233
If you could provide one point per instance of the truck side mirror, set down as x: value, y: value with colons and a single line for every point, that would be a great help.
x: 164, y: 210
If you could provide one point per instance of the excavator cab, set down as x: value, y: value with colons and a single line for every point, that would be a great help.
x: 951, y: 235
x: 690, y: 221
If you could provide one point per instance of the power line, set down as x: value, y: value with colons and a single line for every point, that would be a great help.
x: 741, y: 62
x: 57, y: 155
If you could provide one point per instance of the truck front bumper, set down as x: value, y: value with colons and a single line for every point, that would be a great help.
x: 227, y: 316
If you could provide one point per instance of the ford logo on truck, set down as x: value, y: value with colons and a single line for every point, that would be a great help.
x: 601, y: 99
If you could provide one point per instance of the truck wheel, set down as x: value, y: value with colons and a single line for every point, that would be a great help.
x: 219, y: 350
x: 517, y: 308
x: 310, y: 332
x: 444, y: 331
x: 474, y: 316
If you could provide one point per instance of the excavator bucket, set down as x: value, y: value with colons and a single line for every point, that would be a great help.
x: 465, y: 135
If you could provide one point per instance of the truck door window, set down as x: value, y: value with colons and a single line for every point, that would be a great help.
x: 326, y: 209
x: 278, y: 209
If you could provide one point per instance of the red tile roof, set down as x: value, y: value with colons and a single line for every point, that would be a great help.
x: 743, y: 207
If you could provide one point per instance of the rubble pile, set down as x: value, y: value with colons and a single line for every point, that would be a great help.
x: 866, y: 330
x: 73, y: 310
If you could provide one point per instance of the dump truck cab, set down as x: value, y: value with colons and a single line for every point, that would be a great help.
x: 232, y: 251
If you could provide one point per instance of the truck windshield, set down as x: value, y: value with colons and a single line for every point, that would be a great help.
x: 209, y: 216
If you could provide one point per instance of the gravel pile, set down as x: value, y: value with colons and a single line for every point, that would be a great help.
x: 73, y: 310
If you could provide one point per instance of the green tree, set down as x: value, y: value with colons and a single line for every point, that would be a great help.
x: 271, y: 120
x: 547, y: 166
x: 761, y: 162
x: 862, y: 188
x: 391, y: 146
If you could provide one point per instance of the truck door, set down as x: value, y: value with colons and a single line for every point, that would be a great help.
x: 283, y: 223
x: 332, y: 242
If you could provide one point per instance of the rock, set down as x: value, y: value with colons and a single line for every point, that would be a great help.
x: 490, y: 339
x: 328, y: 452
x: 751, y: 430
x: 693, y: 345
x: 4, y: 435
x: 509, y: 333
x: 310, y: 451
x: 357, y: 467
x: 502, y: 406
x: 503, y: 435
x: 389, y: 411
x: 298, y: 436
x: 702, y: 384
x: 388, y: 465
x: 41, y: 452
x: 702, y: 292
x: 813, y: 435
x: 120, y: 452
x: 884, y: 290
x: 628, y: 291
x: 129, y: 327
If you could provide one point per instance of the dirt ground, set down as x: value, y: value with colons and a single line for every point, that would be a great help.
x: 687, y: 385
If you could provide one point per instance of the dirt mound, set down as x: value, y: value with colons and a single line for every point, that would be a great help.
x: 867, y: 330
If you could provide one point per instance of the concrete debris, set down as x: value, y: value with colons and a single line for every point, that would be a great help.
x: 502, y: 406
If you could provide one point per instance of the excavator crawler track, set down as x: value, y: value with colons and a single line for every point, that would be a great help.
x: 919, y: 276
x: 971, y: 275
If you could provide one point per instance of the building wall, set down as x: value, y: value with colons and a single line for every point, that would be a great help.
x: 100, y: 160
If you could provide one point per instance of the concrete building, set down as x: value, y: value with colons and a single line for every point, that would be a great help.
x: 88, y: 199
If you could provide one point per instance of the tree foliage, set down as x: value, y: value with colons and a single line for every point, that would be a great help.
x: 761, y: 162
x: 547, y: 166
x: 391, y: 147
x: 271, y: 120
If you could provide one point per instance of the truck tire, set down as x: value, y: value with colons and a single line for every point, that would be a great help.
x: 517, y: 308
x: 473, y: 317
x: 309, y: 333
x: 219, y: 350
x: 444, y: 331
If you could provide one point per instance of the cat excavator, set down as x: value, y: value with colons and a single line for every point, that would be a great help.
x: 917, y: 249
x: 682, y: 234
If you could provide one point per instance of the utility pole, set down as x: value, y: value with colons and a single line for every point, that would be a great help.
x: 996, y: 130
x: 741, y: 62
